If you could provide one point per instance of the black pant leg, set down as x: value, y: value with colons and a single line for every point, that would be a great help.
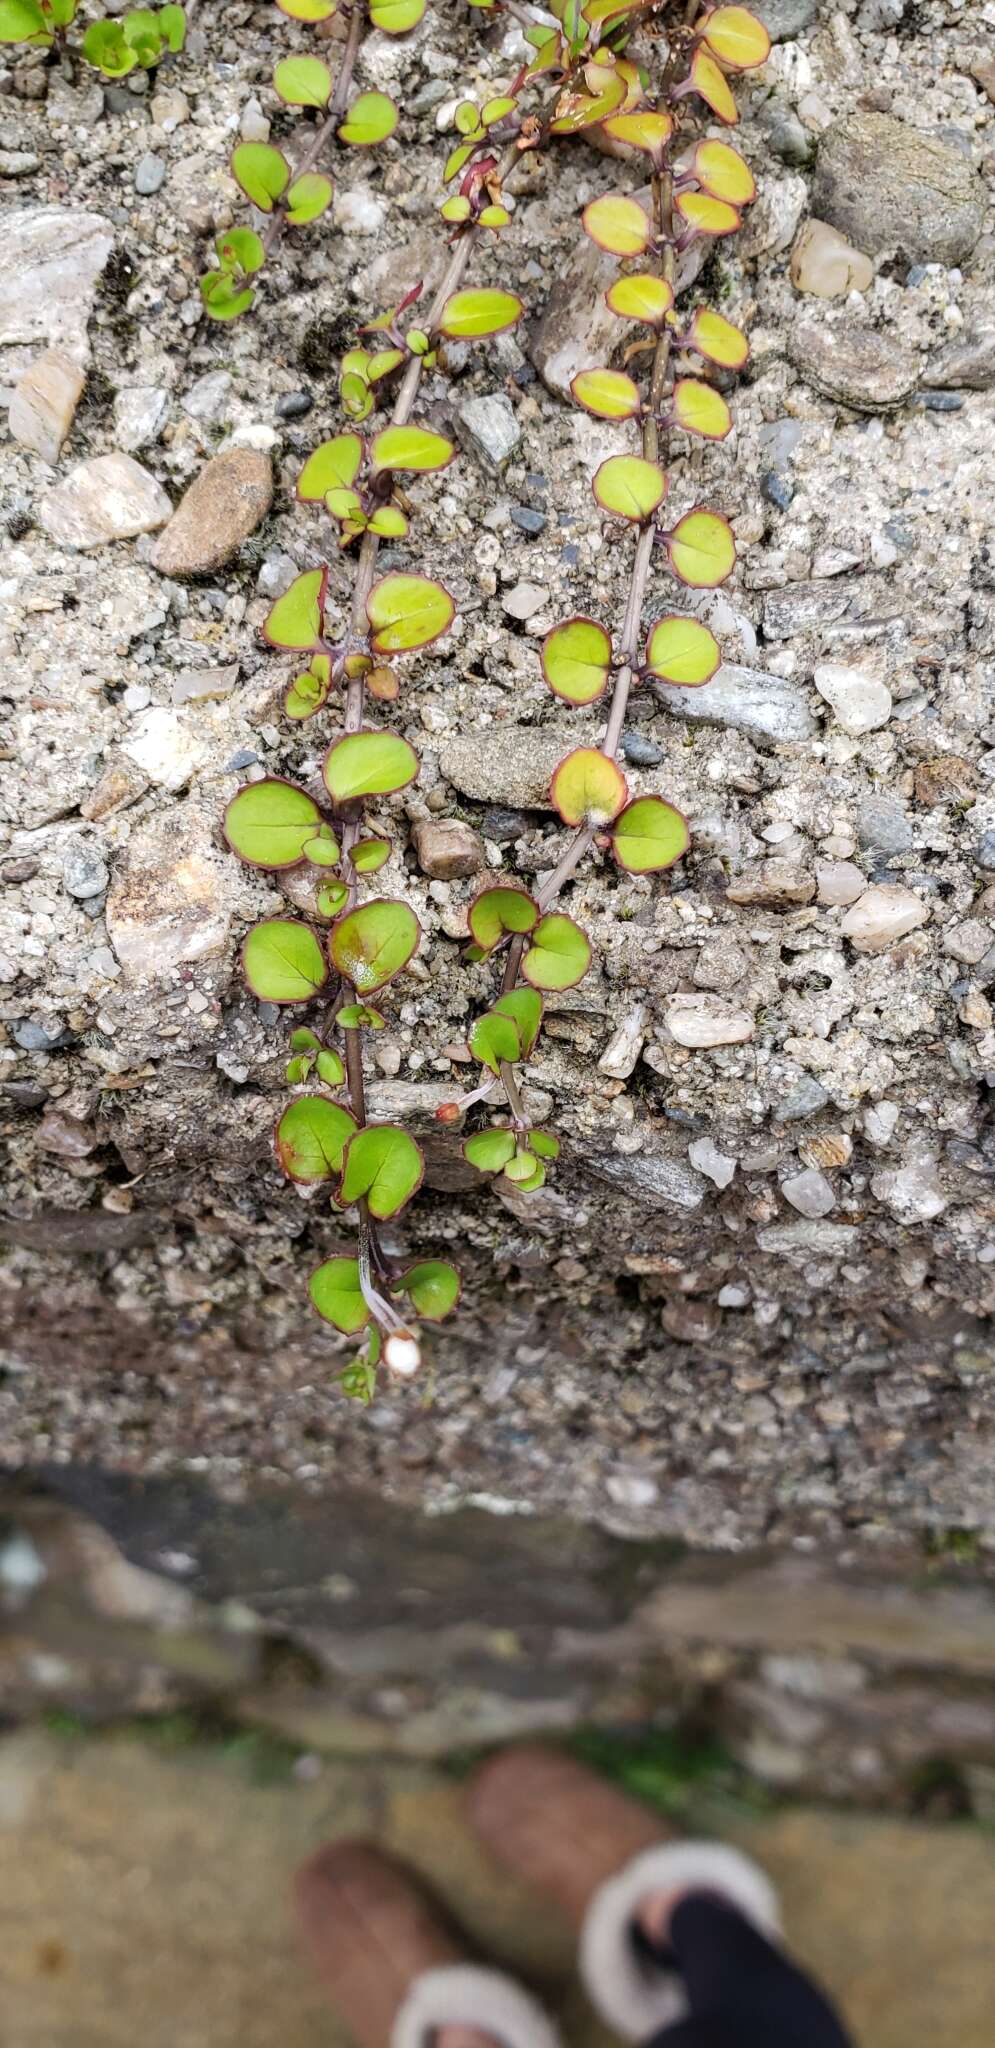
x: 742, y: 1991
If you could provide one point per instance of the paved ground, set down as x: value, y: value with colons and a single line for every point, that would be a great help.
x: 147, y: 1899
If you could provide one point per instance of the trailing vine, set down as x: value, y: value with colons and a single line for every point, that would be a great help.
x: 697, y: 187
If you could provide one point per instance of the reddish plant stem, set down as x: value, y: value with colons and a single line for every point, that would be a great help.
x: 325, y: 128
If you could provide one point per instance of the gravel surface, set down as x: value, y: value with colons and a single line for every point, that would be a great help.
x: 791, y: 1341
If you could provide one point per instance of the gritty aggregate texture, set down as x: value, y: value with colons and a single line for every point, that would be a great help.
x: 755, y: 1295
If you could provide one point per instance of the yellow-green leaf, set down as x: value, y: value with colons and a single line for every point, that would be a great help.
x: 558, y: 954
x: 702, y: 549
x: 680, y: 650
x: 700, y: 409
x: 433, y: 1288
x: 472, y: 315
x: 283, y: 962
x: 649, y: 835
x: 617, y: 224
x: 414, y: 448
x: 395, y: 17
x: 334, y: 466
x: 497, y: 911
x: 578, y: 110
x: 384, y: 1167
x: 630, y: 486
x: 706, y: 215
x: 721, y: 170
x: 368, y: 764
x: 374, y: 943
x: 370, y: 854
x: 717, y: 339
x: 588, y: 788
x: 576, y: 660
x: 370, y: 119
x: 713, y: 86
x: 643, y: 130
x: 308, y: 198
x: 296, y: 621
x: 311, y: 1136
x: 608, y: 393
x: 641, y: 297
x: 407, y: 612
x: 262, y: 172
x: 308, y: 692
x: 303, y: 82
x: 737, y: 37
x: 489, y: 1151
x: 336, y: 1294
x: 269, y: 823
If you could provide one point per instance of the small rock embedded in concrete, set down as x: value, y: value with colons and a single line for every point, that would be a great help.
x: 150, y: 172
x: 715, y: 1165
x: 838, y: 881
x: 447, y: 848
x: 503, y: 826
x: 882, y: 825
x: 788, y: 139
x: 772, y: 221
x: 890, y: 187
x: 785, y: 19
x: 489, y: 428
x: 293, y: 405
x: 50, y: 260
x: 622, y: 1051
x: 507, y: 764
x: 139, y: 414
x: 881, y: 916
x: 33, y: 1036
x: 84, y: 870
x: 253, y: 125
x: 968, y: 941
x: 120, y: 784
x: 809, y: 1192
x: 825, y: 265
x: 109, y: 498
x: 639, y: 751
x: 523, y: 601
x: 44, y: 403
x: 746, y: 700
x: 912, y: 1193
x: 206, y: 400
x: 720, y: 963
x: 703, y: 1020
x: 967, y: 364
x: 945, y: 779
x: 860, y: 702
x: 805, y: 1099
x: 860, y: 366
x: 527, y: 519
x: 198, y: 685
x: 223, y: 505
x: 173, y: 902
x: 778, y: 490
x: 776, y: 884
x: 808, y: 1235
x: 880, y: 1119
x: 164, y: 748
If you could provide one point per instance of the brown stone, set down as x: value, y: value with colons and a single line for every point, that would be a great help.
x: 44, y: 403
x: 447, y: 849
x: 223, y: 505
x: 775, y: 884
x: 120, y: 784
x: 944, y: 780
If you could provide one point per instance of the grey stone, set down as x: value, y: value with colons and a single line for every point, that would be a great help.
x: 503, y: 826
x: 508, y: 764
x: 206, y: 400
x: 110, y: 498
x: 293, y: 405
x: 860, y: 366
x: 523, y: 601
x: 985, y: 853
x: 805, y: 1099
x: 84, y: 869
x: 276, y: 575
x: 835, y: 1240
x: 889, y: 187
x: 198, y: 685
x: 150, y: 172
x: 33, y: 1036
x: 778, y: 490
x: 966, y: 364
x: 489, y: 429
x: 139, y: 414
x: 940, y: 401
x: 526, y: 519
x: 576, y: 327
x: 785, y: 19
x: 747, y: 700
x: 787, y: 138
x: 883, y: 824
x: 641, y: 752
x: 651, y: 1178
x: 50, y: 260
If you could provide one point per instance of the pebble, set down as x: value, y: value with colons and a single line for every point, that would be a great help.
x: 622, y: 1052
x: 785, y: 19
x: 890, y: 187
x: 44, y: 403
x: 84, y: 870
x: 222, y: 506
x: 528, y: 520
x: 199, y: 685
x: 359, y: 211
x: 66, y: 1135
x: 715, y: 1165
x: 860, y: 703
x: 945, y: 779
x: 775, y: 884
x: 707, y: 1019
x: 940, y: 401
x: 109, y: 498
x: 169, y: 109
x: 966, y: 364
x: 772, y: 222
x: 809, y: 1192
x: 276, y: 574
x: 150, y: 173
x: 827, y: 266
x: 139, y: 415
x: 912, y: 1193
x: 653, y: 1177
x: 120, y: 784
x: 778, y: 490
x: 883, y: 914
x: 253, y: 126
x: 489, y: 428
x: 508, y: 764
x: 862, y: 367
x: 639, y: 751
x: 294, y: 405
x: 810, y: 1235
x: 33, y: 1036
x: 206, y: 400
x: 985, y: 854
x: 720, y: 963
x: 968, y: 941
x: 826, y: 1149
x: 523, y: 601
x: 18, y: 163
x: 164, y: 748
x: 747, y: 700
x: 879, y: 1121
x: 882, y: 824
x: 788, y: 139
x: 503, y: 826
x: 805, y: 1099
x: 447, y: 848
x: 838, y: 881
x: 50, y: 260
x: 173, y: 900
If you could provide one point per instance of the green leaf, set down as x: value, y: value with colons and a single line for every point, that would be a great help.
x: 296, y: 621
x: 407, y: 612
x: 335, y: 1293
x: 308, y: 10
x: 334, y: 466
x: 558, y: 955
x: 322, y: 851
x: 524, y: 1007
x: 370, y: 119
x: 172, y: 27
x: 493, y: 1040
x: 680, y: 650
x: 369, y: 946
x: 104, y: 47
x: 308, y: 692
x: 262, y: 172
x: 497, y: 911
x: 489, y: 1151
x: 395, y: 17
x: 414, y: 448
x: 544, y: 1144
x: 297, y: 1069
x: 576, y: 660
x: 269, y: 823
x: 389, y: 520
x: 304, y: 1039
x: 283, y: 962
x: 311, y: 1138
x: 528, y: 1184
x: 359, y: 1017
x: 308, y: 198
x: 331, y: 898
x: 368, y: 764
x: 610, y: 394
x: 433, y: 1287
x: 369, y: 855
x: 20, y: 20
x: 224, y: 298
x: 649, y: 835
x: 303, y: 82
x: 702, y: 549
x: 630, y: 486
x: 588, y: 788
x: 383, y: 1164
x: 241, y: 251
x: 523, y: 1166
x: 329, y: 1067
x: 472, y: 315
